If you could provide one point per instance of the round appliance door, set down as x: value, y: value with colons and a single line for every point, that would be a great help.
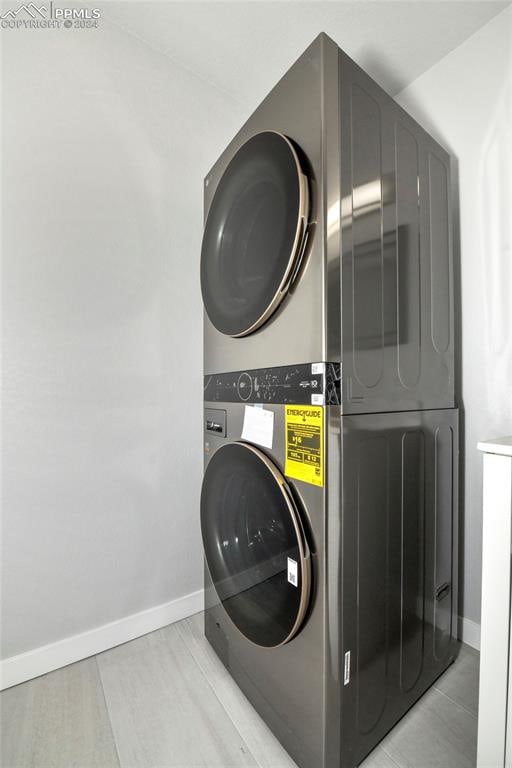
x: 254, y: 235
x: 255, y: 545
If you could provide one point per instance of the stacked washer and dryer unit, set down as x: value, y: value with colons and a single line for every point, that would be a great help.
x: 329, y: 500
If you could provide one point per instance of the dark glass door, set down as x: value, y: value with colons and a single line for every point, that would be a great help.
x: 254, y: 544
x: 254, y: 234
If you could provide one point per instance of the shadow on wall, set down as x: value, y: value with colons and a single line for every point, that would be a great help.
x: 482, y: 236
x: 494, y: 184
x: 457, y: 329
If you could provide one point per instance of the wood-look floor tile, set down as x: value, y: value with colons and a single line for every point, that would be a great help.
x: 57, y: 721
x: 378, y: 758
x: 262, y: 743
x: 460, y: 681
x: 172, y: 704
x: 164, y: 712
x: 436, y: 733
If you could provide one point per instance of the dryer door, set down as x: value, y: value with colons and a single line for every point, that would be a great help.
x: 254, y: 235
x: 255, y: 545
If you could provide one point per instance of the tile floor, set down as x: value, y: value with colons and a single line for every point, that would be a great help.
x: 165, y: 701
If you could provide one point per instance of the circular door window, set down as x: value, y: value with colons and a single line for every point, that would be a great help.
x: 254, y: 544
x: 254, y: 234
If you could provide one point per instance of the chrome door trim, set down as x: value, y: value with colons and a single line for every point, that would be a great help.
x: 297, y: 250
x: 304, y: 552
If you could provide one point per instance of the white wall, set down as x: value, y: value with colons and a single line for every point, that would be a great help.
x: 465, y: 101
x: 105, y: 146
x: 106, y: 143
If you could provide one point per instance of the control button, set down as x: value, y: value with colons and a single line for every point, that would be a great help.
x: 244, y: 386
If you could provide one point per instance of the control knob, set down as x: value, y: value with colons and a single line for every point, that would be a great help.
x: 244, y: 386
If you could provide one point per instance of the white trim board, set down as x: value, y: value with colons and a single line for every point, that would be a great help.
x: 25, y: 666
x: 469, y: 632
x: 18, y: 669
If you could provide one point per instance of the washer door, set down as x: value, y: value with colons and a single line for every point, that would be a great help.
x: 254, y: 235
x: 255, y: 545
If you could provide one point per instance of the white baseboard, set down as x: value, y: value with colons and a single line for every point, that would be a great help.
x: 17, y: 669
x: 469, y: 632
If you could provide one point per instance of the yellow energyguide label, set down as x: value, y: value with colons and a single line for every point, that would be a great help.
x: 304, y: 427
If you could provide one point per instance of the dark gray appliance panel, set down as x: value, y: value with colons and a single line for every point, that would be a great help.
x: 311, y: 384
x: 397, y: 270
x: 399, y: 555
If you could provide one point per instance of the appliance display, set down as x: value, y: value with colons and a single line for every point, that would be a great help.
x: 316, y: 383
x: 329, y: 507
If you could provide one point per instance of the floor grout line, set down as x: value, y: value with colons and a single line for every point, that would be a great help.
x: 230, y: 681
x: 398, y: 765
x: 190, y: 635
x: 210, y: 685
x: 457, y: 703
x: 107, y: 708
x: 220, y: 701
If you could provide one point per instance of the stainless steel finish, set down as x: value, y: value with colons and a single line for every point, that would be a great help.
x: 284, y: 684
x: 331, y: 199
x: 384, y: 554
x: 397, y: 267
x: 295, y: 332
x: 375, y: 290
x: 399, y: 549
x: 374, y: 295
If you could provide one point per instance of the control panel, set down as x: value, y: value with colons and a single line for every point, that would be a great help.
x: 303, y: 384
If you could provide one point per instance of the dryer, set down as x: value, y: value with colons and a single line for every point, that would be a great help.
x: 255, y: 234
x: 329, y: 508
x: 330, y: 563
x: 328, y: 238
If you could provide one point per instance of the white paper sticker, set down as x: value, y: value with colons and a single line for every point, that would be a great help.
x: 346, y: 671
x: 317, y: 367
x: 258, y: 426
x: 317, y: 399
x: 293, y: 572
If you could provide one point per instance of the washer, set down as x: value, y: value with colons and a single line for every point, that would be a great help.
x: 332, y: 599
x: 329, y: 508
